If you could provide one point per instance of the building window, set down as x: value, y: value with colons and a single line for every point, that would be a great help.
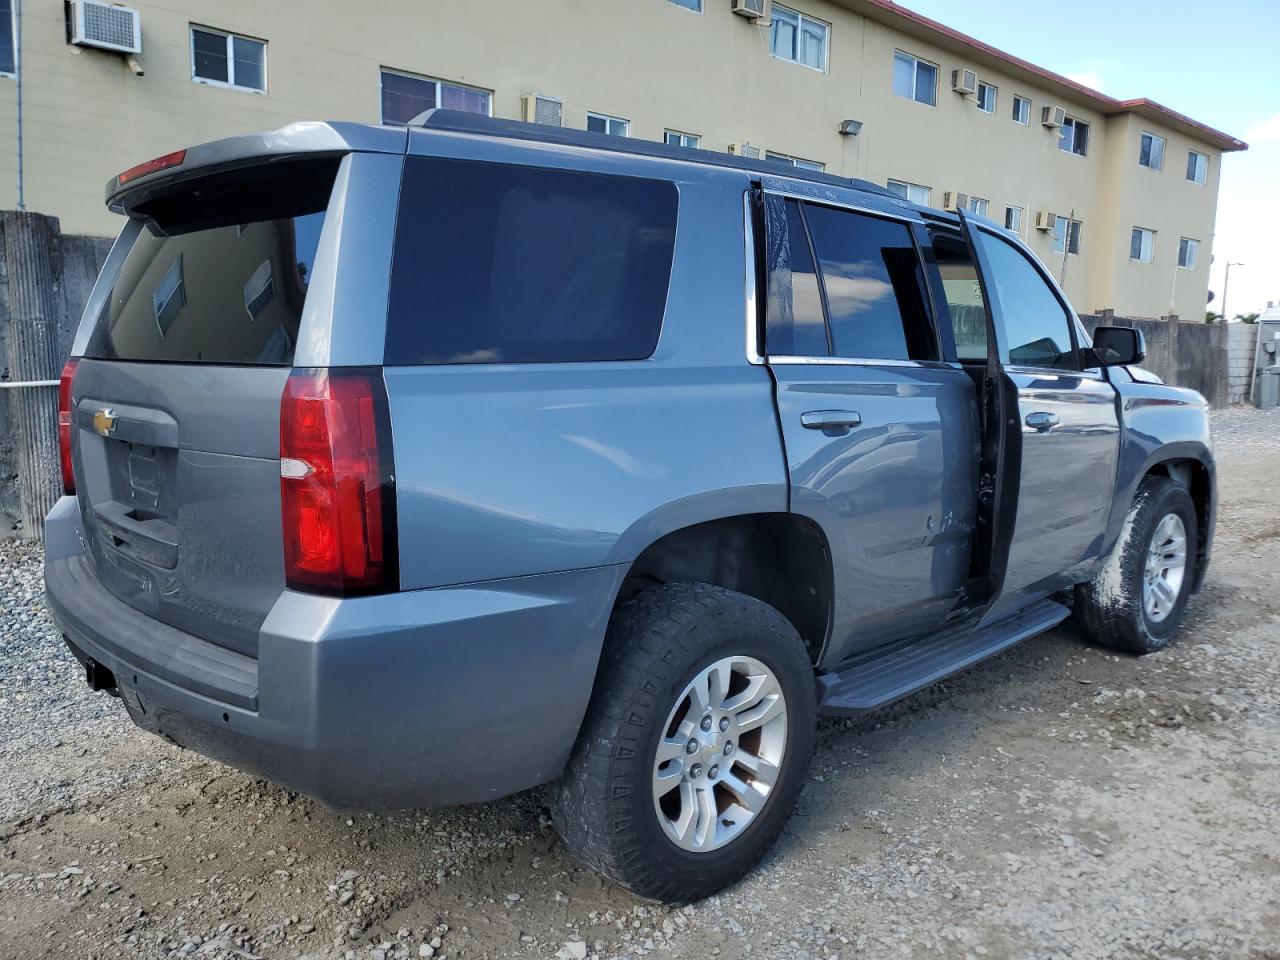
x: 1197, y: 167
x: 677, y: 139
x: 795, y: 161
x: 1188, y: 250
x: 1013, y: 219
x: 1066, y: 235
x: 8, y: 63
x: 987, y: 97
x: 1021, y: 110
x: 227, y: 60
x: 695, y: 5
x: 613, y: 126
x: 914, y: 78
x: 798, y: 38
x: 1142, y: 245
x: 405, y: 95
x: 977, y: 205
x: 1074, y: 137
x: 1151, y: 152
x: 912, y: 192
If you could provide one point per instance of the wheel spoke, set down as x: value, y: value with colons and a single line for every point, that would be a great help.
x: 706, y: 829
x: 670, y: 748
x: 758, y: 685
x: 760, y: 769
x: 760, y: 714
x: 748, y: 797
x: 1165, y: 593
x: 718, y: 683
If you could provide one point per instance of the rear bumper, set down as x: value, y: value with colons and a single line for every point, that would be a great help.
x: 423, y: 698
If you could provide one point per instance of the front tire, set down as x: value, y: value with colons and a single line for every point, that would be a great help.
x: 1136, y: 601
x: 694, y: 746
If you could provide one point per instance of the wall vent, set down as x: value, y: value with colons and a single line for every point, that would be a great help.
x: 106, y: 26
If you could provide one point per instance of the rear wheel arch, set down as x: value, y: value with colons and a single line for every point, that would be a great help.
x: 781, y: 559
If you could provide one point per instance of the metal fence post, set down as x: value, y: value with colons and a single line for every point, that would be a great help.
x: 30, y: 248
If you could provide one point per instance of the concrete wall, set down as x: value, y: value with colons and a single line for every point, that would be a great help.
x: 656, y: 64
x: 1242, y: 340
x: 77, y: 261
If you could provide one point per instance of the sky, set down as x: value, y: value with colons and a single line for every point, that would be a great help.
x: 1217, y: 62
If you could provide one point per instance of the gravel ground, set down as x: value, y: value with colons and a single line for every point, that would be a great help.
x: 1058, y: 801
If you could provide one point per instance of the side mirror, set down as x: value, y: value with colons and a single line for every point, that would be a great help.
x: 1119, y: 346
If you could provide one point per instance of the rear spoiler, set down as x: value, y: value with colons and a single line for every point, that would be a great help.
x: 133, y: 187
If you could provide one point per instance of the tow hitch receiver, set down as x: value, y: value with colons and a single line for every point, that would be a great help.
x: 98, y: 676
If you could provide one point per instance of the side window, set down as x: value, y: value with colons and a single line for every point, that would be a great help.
x: 1037, y: 326
x: 794, y: 323
x: 496, y: 263
x: 961, y: 293
x: 873, y: 284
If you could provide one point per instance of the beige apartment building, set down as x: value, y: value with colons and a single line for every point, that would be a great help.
x: 1117, y: 197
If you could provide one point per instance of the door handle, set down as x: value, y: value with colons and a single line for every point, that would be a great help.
x: 1042, y: 421
x: 830, y: 420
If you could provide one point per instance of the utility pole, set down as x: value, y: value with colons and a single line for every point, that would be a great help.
x: 1225, y: 281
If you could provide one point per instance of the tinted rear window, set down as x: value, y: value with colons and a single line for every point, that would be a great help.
x: 220, y: 270
x: 497, y: 263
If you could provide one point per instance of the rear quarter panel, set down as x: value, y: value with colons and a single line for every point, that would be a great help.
x: 506, y: 470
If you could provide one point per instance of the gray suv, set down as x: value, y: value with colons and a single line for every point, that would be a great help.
x: 412, y: 466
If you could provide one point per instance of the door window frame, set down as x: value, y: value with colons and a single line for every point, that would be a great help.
x: 757, y: 346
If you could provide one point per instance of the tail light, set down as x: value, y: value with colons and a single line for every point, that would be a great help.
x: 337, y: 483
x: 152, y: 166
x: 64, y: 426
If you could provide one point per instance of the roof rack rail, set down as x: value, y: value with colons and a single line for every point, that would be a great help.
x: 461, y: 121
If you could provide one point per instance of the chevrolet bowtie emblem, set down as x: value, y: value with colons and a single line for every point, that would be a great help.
x: 104, y: 421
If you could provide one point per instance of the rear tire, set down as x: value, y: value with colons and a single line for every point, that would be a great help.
x: 1135, y: 603
x: 689, y: 669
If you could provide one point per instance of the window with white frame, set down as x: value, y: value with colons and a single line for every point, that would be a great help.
x: 1142, y: 245
x: 1066, y: 235
x: 1197, y: 167
x: 913, y: 192
x: 695, y: 5
x: 677, y: 139
x: 1021, y: 110
x: 1013, y: 218
x: 1074, y: 137
x: 977, y: 205
x: 914, y: 78
x: 1151, y: 151
x: 1188, y: 251
x: 613, y: 126
x: 228, y: 59
x: 8, y: 60
x: 799, y: 38
x: 987, y: 97
x: 405, y: 95
x: 795, y: 161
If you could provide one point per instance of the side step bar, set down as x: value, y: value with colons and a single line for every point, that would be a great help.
x: 879, y: 677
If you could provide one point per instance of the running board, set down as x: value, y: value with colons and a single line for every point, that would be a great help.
x: 879, y: 677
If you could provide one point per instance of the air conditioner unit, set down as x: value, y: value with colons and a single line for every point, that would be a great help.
x: 953, y: 200
x: 745, y: 150
x: 1052, y: 116
x: 105, y: 26
x: 1046, y: 220
x: 964, y: 82
x: 755, y: 9
x: 540, y: 109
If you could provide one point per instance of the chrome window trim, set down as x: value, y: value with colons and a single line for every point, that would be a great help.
x: 793, y: 361
x: 845, y: 205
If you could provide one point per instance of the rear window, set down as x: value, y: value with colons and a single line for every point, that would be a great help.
x: 497, y: 263
x: 220, y: 270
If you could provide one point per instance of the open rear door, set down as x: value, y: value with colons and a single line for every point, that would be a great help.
x: 1000, y: 460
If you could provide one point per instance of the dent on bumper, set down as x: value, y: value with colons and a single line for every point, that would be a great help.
x: 429, y: 697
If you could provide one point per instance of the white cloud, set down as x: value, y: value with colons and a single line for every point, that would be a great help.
x: 1264, y: 131
x: 1090, y: 79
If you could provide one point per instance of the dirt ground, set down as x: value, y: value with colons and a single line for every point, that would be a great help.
x: 1058, y: 801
